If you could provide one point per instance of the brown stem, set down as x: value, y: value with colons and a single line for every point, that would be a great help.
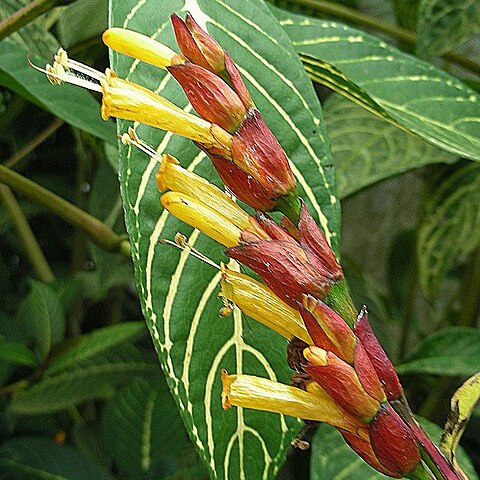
x: 102, y: 235
x: 32, y: 248
x: 34, y: 143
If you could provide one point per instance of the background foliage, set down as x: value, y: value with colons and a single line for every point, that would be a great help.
x: 82, y: 394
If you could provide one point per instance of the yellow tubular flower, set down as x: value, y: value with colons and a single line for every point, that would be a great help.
x: 171, y: 176
x: 191, y: 211
x: 127, y: 100
x: 263, y: 394
x: 140, y: 46
x: 257, y: 301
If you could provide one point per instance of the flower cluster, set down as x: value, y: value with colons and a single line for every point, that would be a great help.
x: 342, y: 374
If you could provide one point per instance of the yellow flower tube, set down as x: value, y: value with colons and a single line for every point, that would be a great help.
x: 257, y: 301
x: 140, y: 46
x: 196, y: 214
x: 127, y: 100
x: 172, y: 176
x: 262, y: 394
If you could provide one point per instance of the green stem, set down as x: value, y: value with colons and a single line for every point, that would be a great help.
x: 357, y: 18
x: 32, y: 248
x: 34, y: 143
x: 102, y: 235
x: 25, y: 15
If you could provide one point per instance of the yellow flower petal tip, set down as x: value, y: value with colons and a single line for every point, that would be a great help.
x: 137, y: 45
x: 226, y: 382
x: 316, y: 356
x: 167, y: 160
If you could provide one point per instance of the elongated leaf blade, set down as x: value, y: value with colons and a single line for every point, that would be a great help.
x: 409, y: 92
x: 83, y: 381
x: 450, y: 351
x: 40, y: 458
x: 42, y: 318
x: 178, y: 293
x: 444, y: 24
x: 367, y: 149
x: 141, y: 428
x: 450, y: 228
x: 95, y: 343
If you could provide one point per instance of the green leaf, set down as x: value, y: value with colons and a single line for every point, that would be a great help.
x: 72, y: 104
x: 409, y: 92
x: 42, y: 317
x: 95, y: 343
x: 462, y: 404
x: 178, y: 293
x: 451, y: 351
x: 333, y: 458
x: 82, y: 20
x: 84, y: 380
x: 435, y: 432
x: 33, y: 37
x: 367, y: 149
x: 18, y: 353
x: 445, y: 24
x: 142, y: 430
x: 40, y: 458
x: 450, y: 228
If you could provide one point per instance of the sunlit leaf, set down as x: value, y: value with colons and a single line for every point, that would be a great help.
x: 462, y: 404
x: 84, y: 380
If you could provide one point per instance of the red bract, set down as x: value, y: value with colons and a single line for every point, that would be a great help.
x: 380, y: 361
x: 210, y: 96
x: 256, y: 151
x: 393, y: 442
x: 200, y: 48
x: 290, y: 267
x: 364, y: 449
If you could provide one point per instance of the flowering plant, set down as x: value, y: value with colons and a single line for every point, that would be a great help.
x: 341, y: 374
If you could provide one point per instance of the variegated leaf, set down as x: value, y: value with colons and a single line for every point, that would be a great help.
x: 178, y: 292
x: 409, y: 92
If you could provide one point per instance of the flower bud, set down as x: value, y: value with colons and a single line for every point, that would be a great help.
x: 200, y: 48
x: 380, y: 361
x: 393, y: 442
x: 210, y: 96
x: 197, y: 45
x: 363, y: 448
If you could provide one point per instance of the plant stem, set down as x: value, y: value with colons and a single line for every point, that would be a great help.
x: 34, y: 143
x: 102, y: 235
x: 357, y: 18
x: 25, y: 15
x: 32, y: 248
